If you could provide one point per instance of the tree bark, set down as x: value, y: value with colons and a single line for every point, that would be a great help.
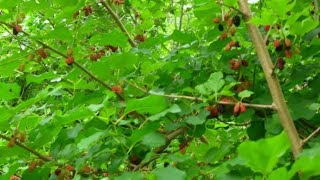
x: 272, y: 80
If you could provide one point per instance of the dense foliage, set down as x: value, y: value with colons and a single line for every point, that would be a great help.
x: 155, y: 89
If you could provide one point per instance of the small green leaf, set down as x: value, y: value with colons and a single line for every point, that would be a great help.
x: 245, y: 94
x: 173, y: 109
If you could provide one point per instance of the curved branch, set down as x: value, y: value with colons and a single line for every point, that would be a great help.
x: 43, y: 157
x: 65, y: 56
x: 118, y: 21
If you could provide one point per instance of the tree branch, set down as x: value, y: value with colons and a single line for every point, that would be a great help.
x: 32, y: 151
x: 310, y: 136
x: 181, y: 15
x: 272, y: 80
x: 257, y: 106
x: 65, y: 56
x: 169, y: 138
x: 118, y: 21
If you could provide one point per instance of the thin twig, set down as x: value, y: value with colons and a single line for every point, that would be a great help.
x: 118, y: 21
x: 169, y: 138
x: 310, y: 136
x: 43, y: 157
x: 231, y: 7
x: 181, y: 15
x: 316, y: 9
x: 258, y: 106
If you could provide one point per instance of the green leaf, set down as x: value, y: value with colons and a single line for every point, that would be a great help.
x: 9, y: 91
x: 263, y: 155
x: 130, y: 176
x: 280, y: 173
x: 151, y: 104
x: 215, y: 81
x: 307, y: 163
x: 154, y: 139
x: 245, y: 94
x: 214, y: 84
x: 77, y: 113
x: 170, y: 173
x: 198, y: 119
x: 138, y: 134
x: 59, y: 33
x: 213, y: 155
x: 173, y: 109
x: 182, y: 37
x: 6, y: 114
x: 86, y: 142
x: 31, y: 78
x: 115, y: 38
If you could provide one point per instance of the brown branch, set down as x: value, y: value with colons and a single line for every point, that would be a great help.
x: 257, y: 106
x: 32, y: 151
x: 273, y: 82
x: 310, y: 136
x: 169, y: 138
x: 118, y: 21
x: 75, y: 63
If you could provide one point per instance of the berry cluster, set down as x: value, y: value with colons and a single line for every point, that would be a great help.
x: 117, y: 89
x: 227, y: 23
x: 282, y: 46
x: 218, y: 109
x: 140, y: 38
x: 96, y: 55
x: 87, y: 11
x: 16, y: 29
x: 235, y: 64
x: 239, y: 108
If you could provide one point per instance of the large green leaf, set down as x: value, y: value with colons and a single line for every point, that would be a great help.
x: 9, y: 91
x: 263, y: 155
x: 307, y: 163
